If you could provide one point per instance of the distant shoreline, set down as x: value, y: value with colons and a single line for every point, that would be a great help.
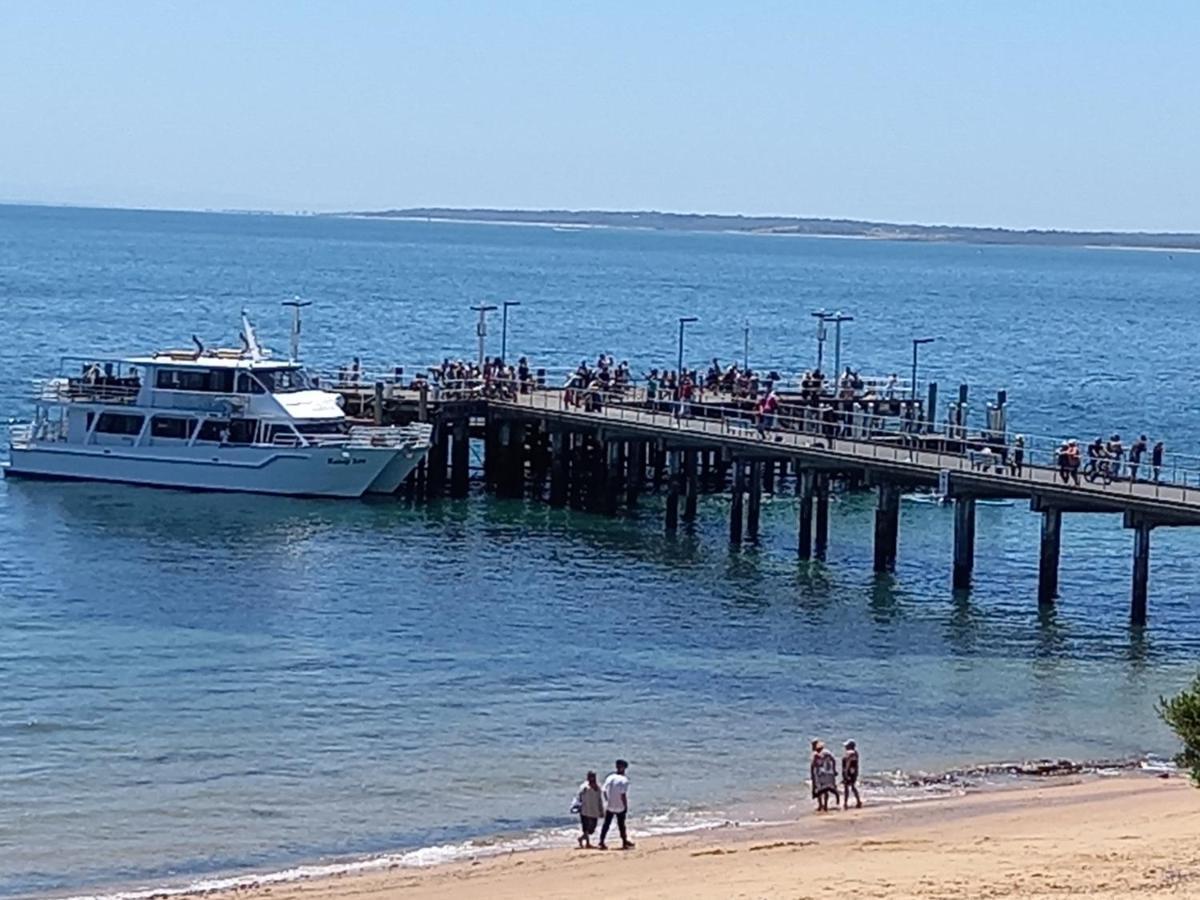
x: 790, y: 227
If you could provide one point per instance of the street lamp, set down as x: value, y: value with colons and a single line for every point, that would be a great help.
x: 481, y: 326
x: 504, y: 329
x: 837, y: 319
x: 820, y: 315
x: 683, y: 320
x: 917, y: 342
x: 294, y: 345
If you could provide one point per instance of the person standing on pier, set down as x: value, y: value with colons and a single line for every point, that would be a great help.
x: 850, y: 775
x: 1136, y: 451
x: 590, y: 805
x: 616, y: 801
x: 1116, y: 452
x: 1156, y: 460
x: 1016, y: 459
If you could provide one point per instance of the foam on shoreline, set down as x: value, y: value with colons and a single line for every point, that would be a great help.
x: 897, y: 788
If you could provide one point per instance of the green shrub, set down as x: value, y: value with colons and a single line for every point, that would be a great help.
x: 1182, y: 713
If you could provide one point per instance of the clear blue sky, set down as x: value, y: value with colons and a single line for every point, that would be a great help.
x: 1049, y: 114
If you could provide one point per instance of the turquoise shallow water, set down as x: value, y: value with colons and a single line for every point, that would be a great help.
x: 193, y: 684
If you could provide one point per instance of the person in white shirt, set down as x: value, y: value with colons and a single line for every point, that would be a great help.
x: 616, y: 804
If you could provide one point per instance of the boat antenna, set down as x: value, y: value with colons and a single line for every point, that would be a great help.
x: 250, y: 339
x: 294, y: 348
x: 199, y: 346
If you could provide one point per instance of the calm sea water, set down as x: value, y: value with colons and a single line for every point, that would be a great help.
x: 192, y: 684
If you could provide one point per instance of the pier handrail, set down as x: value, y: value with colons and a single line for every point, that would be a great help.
x: 899, y: 442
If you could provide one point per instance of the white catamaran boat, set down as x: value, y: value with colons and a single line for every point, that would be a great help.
x: 221, y: 420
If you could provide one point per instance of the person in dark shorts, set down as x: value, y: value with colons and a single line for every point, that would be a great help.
x: 616, y: 804
x: 590, y: 805
x: 850, y: 774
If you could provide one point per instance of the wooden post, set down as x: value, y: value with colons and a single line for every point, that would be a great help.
x: 436, y: 484
x: 821, y: 526
x: 560, y: 446
x: 379, y: 403
x: 691, y: 485
x: 887, y: 527
x: 964, y: 541
x: 768, y: 479
x: 634, y: 471
x: 735, y: 505
x: 460, y: 462
x: 1141, y: 574
x: 754, y: 507
x: 613, y: 477
x: 673, y: 486
x: 423, y: 402
x: 804, y: 484
x: 1048, y: 556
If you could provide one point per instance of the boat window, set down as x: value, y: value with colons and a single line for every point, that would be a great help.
x: 281, y: 434
x: 322, y: 427
x: 233, y: 431
x: 247, y: 384
x: 171, y: 427
x: 119, y: 423
x: 206, y: 381
x: 284, y: 381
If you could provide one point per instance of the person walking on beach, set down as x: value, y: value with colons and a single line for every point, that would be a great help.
x: 823, y: 772
x: 616, y: 803
x: 590, y: 805
x: 850, y: 775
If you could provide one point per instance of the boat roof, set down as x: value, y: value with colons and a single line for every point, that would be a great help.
x: 209, y: 360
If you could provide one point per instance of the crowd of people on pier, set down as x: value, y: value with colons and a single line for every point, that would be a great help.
x: 1108, y: 460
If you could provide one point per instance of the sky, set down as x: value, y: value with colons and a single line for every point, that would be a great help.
x: 1020, y: 114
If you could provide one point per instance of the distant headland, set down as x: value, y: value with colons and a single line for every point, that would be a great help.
x: 785, y: 225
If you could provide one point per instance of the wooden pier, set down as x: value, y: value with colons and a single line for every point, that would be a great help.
x: 601, y: 459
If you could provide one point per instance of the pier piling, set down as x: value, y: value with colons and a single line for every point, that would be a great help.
x: 691, y: 485
x: 736, y: 499
x: 754, y: 506
x: 673, y: 486
x: 887, y: 527
x: 1141, y: 573
x: 964, y: 541
x: 804, y: 486
x: 821, y: 525
x: 1048, y: 555
x: 460, y: 459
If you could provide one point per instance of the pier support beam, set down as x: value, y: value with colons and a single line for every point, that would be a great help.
x: 1141, y: 574
x: 804, y: 486
x: 821, y: 526
x: 674, y: 483
x: 1048, y: 556
x: 754, y: 507
x: 964, y: 541
x: 460, y: 459
x: 887, y: 527
x: 635, y: 471
x: 560, y: 446
x: 735, y: 504
x: 613, y: 477
x: 691, y: 485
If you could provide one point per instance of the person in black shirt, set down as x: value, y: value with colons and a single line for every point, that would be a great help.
x: 1136, y: 452
x: 1156, y: 460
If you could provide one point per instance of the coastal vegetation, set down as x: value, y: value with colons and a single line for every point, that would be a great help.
x: 1182, y: 713
x: 810, y: 227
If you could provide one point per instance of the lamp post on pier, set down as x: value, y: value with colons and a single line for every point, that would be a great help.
x: 683, y: 320
x: 820, y: 315
x: 481, y: 326
x: 504, y: 329
x: 837, y: 319
x: 917, y: 342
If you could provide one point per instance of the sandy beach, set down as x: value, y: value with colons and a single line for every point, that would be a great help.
x: 1117, y: 837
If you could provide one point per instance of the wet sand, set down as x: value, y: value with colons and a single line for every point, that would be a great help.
x: 1116, y: 837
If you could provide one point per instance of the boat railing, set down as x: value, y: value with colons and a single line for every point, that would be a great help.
x: 406, y: 437
x: 105, y: 389
x: 20, y: 435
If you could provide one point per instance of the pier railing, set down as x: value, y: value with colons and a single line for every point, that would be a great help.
x: 932, y: 446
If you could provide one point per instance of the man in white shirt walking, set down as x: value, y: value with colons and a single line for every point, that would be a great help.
x: 616, y: 804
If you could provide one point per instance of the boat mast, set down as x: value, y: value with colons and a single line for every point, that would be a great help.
x: 251, y: 339
x: 294, y: 348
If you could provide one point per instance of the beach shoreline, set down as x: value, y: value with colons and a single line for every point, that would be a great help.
x: 1101, y: 837
x: 502, y: 857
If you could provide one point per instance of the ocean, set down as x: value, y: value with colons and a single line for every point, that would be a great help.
x: 197, y: 685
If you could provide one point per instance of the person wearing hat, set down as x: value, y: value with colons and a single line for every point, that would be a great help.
x: 616, y: 804
x: 850, y: 775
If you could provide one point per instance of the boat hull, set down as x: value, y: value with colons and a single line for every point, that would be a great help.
x: 303, y: 472
x: 389, y: 480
